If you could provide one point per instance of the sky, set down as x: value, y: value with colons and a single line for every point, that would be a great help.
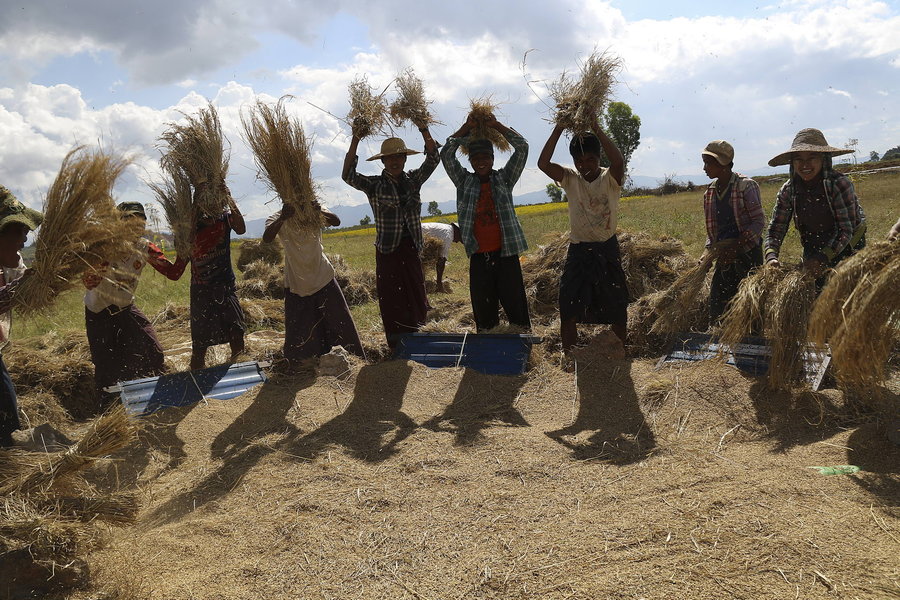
x: 114, y: 73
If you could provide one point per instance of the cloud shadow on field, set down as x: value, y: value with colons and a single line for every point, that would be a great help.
x: 480, y: 401
x: 608, y: 407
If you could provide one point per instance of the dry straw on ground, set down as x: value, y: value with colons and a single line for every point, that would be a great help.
x: 481, y: 111
x: 196, y: 148
x: 282, y: 153
x: 253, y: 250
x: 432, y: 249
x: 81, y: 227
x: 174, y: 194
x: 358, y: 285
x: 674, y: 308
x: 580, y: 103
x: 411, y: 104
x: 262, y: 279
x: 368, y: 112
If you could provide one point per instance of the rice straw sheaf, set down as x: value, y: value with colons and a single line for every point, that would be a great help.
x: 580, y: 103
x: 861, y: 345
x: 81, y: 227
x: 368, y: 112
x: 251, y: 251
x: 197, y: 149
x: 411, y: 104
x: 481, y: 111
x: 746, y: 312
x: 106, y: 434
x: 282, y: 153
x: 174, y: 195
x: 119, y: 508
x: 673, y: 307
x: 432, y: 248
x: 848, y: 281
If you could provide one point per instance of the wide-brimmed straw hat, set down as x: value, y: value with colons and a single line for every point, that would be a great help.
x: 13, y: 211
x: 392, y: 146
x: 808, y: 140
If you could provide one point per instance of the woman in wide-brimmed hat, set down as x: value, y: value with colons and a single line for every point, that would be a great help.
x: 822, y: 203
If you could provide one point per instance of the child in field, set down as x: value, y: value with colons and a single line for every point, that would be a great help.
x: 16, y: 220
x: 316, y: 316
x: 397, y: 207
x: 123, y: 343
x: 593, y: 287
x: 490, y: 230
x: 734, y: 224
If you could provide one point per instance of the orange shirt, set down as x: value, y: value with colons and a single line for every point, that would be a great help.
x: 487, y: 224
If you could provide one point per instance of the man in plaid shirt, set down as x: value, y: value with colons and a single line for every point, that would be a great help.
x: 490, y: 230
x: 397, y: 206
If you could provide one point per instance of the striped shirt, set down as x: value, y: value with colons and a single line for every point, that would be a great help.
x: 468, y: 190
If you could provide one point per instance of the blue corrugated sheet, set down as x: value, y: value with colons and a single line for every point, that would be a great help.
x: 492, y: 354
x: 145, y: 396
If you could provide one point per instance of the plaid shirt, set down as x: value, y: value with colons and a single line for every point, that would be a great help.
x: 747, y: 206
x: 849, y: 218
x: 468, y: 190
x: 395, y: 205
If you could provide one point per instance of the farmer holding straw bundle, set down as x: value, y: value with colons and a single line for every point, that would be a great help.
x: 316, y: 315
x: 446, y: 234
x: 491, y: 232
x: 734, y: 224
x: 593, y: 288
x: 822, y: 202
x: 397, y: 207
x: 16, y: 220
x: 122, y: 340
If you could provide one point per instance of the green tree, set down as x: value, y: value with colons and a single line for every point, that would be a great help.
x: 873, y: 156
x: 556, y: 193
x: 433, y: 209
x: 891, y: 154
x: 366, y: 220
x: 624, y: 128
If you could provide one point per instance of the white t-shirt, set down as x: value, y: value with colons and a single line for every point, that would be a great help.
x: 441, y: 231
x: 120, y: 280
x: 593, y: 205
x: 9, y: 275
x: 306, y: 268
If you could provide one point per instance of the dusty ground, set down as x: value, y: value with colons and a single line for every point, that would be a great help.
x: 406, y: 482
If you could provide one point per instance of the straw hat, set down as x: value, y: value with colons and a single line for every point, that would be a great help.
x: 13, y: 211
x: 392, y: 146
x: 808, y: 140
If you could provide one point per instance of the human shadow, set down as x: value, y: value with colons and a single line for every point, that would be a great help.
x: 607, y: 406
x: 793, y: 418
x: 372, y: 424
x: 480, y: 401
x: 875, y: 448
x: 238, y: 446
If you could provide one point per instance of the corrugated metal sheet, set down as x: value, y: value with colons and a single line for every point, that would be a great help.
x: 492, y: 354
x: 145, y: 396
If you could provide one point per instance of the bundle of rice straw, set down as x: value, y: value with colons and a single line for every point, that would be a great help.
x: 673, y: 307
x: 358, y: 285
x: 776, y: 302
x: 480, y: 111
x: 411, y: 104
x: 368, y: 112
x: 271, y: 253
x: 196, y: 148
x: 81, y: 227
x: 175, y: 196
x: 432, y: 248
x: 580, y: 103
x: 282, y: 153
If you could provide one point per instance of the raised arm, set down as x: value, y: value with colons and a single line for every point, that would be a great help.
x: 235, y: 218
x: 551, y: 169
x: 616, y: 160
x: 158, y: 261
x: 452, y: 166
x: 513, y: 168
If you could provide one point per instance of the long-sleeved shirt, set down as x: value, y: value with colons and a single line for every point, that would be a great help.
x: 849, y: 217
x: 468, y: 190
x: 746, y: 204
x: 396, y: 205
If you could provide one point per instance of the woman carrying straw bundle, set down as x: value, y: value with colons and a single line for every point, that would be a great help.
x: 592, y: 288
x: 16, y: 220
x: 821, y: 201
x: 394, y: 196
x: 316, y: 315
x: 491, y: 232
x: 734, y: 224
x: 122, y: 340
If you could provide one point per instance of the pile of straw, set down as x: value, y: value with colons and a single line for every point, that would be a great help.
x: 81, y: 227
x: 368, y: 112
x: 481, y: 111
x: 580, y: 103
x: 282, y: 153
x: 196, y: 149
x: 358, y: 285
x: 253, y: 250
x: 776, y: 302
x: 411, y: 104
x: 432, y: 249
x: 262, y: 279
x: 674, y: 309
x: 176, y: 198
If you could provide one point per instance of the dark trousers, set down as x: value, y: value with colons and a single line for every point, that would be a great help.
x: 400, y: 284
x: 728, y: 277
x: 9, y: 408
x: 314, y: 324
x: 496, y: 281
